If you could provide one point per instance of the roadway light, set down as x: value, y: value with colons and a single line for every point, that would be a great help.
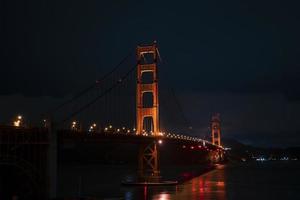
x: 18, y: 121
x: 73, y: 126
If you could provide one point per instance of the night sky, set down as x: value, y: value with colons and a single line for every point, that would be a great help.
x: 238, y: 58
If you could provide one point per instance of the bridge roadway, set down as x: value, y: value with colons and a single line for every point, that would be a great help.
x: 22, y: 135
x: 113, y: 136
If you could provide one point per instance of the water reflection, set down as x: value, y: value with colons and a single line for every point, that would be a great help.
x: 209, y: 186
x: 205, y: 187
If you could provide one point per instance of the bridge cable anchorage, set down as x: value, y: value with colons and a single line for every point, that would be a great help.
x: 92, y: 86
x: 107, y: 91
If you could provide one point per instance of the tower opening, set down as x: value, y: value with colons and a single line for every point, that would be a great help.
x: 148, y: 125
x: 147, y: 100
x: 147, y: 77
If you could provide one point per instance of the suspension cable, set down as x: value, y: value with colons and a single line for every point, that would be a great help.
x: 107, y: 91
x: 97, y: 82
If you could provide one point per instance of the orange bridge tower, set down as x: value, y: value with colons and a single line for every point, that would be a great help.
x: 216, y: 129
x: 148, y: 154
x: 147, y: 62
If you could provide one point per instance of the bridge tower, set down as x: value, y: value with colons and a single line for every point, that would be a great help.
x: 143, y: 67
x: 148, y: 154
x: 216, y: 129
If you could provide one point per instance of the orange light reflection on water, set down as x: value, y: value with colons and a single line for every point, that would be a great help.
x: 210, y: 186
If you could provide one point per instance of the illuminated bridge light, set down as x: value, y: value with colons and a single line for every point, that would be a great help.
x: 73, y: 125
x: 18, y: 121
x: 92, y: 127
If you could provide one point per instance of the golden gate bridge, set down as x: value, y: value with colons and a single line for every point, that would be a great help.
x: 127, y: 105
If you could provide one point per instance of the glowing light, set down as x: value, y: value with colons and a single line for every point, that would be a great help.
x: 110, y: 126
x: 162, y: 196
x: 160, y: 141
x: 73, y: 126
x: 18, y: 121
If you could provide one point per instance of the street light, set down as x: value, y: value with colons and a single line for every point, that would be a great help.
x: 18, y: 121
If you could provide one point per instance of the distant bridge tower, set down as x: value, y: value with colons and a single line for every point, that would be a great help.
x: 216, y: 129
x: 143, y: 66
x: 148, y: 153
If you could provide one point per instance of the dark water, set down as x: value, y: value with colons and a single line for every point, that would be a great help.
x: 253, y: 181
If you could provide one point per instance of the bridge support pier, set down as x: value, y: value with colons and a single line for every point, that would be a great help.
x: 149, y: 163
